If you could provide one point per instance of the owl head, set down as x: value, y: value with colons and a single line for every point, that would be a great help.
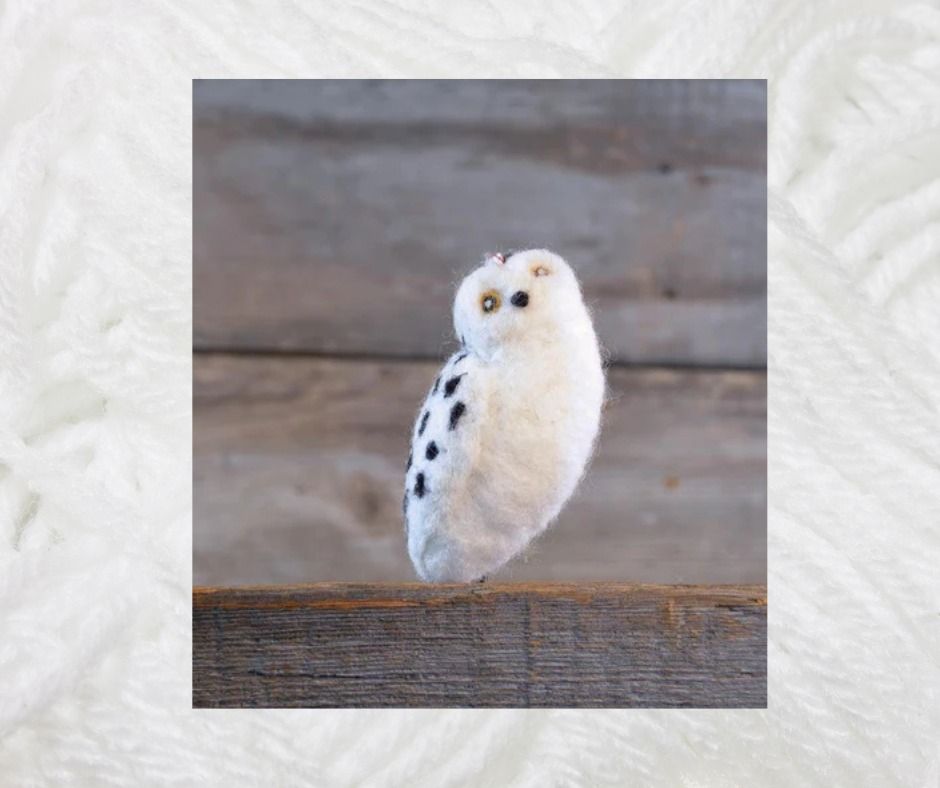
x: 516, y: 300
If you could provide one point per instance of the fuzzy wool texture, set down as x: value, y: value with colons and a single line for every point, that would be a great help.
x: 509, y: 424
x: 95, y: 407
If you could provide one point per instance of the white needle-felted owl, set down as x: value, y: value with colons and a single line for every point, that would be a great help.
x: 509, y: 425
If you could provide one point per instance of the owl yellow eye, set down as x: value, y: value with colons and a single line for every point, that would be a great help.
x: 490, y: 301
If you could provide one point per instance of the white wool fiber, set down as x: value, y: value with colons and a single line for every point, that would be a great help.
x: 506, y: 430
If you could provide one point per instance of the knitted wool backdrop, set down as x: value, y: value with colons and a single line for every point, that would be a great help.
x: 95, y: 393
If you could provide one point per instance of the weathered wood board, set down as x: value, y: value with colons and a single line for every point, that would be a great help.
x: 336, y: 216
x: 680, y: 122
x: 299, y: 467
x: 601, y: 645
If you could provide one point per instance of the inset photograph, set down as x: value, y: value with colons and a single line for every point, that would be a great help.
x: 480, y: 393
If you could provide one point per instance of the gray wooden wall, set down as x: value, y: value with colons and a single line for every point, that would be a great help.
x: 332, y: 220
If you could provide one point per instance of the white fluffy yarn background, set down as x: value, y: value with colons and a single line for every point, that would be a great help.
x: 95, y: 415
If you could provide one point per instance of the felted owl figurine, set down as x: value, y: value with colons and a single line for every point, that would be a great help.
x: 507, y: 429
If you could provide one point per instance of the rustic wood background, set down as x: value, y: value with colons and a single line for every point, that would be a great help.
x: 331, y: 222
x: 480, y: 645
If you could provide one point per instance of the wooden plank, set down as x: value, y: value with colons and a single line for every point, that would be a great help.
x: 336, y: 217
x: 299, y: 467
x: 617, y: 124
x: 600, y: 645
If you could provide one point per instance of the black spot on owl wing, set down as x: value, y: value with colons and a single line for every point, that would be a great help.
x: 420, y: 489
x: 437, y: 382
x: 424, y: 423
x: 456, y: 412
x: 451, y: 386
x: 431, y: 451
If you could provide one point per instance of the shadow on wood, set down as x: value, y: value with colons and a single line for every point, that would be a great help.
x: 593, y: 645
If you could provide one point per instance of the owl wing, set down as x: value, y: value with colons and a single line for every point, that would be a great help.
x: 444, y: 443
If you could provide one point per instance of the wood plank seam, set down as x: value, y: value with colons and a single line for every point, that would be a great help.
x: 352, y: 356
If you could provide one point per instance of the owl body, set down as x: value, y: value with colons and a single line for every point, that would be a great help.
x: 509, y: 424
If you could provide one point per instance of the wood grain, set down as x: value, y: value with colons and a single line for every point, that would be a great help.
x: 336, y: 216
x: 601, y: 645
x: 631, y: 123
x: 299, y: 466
